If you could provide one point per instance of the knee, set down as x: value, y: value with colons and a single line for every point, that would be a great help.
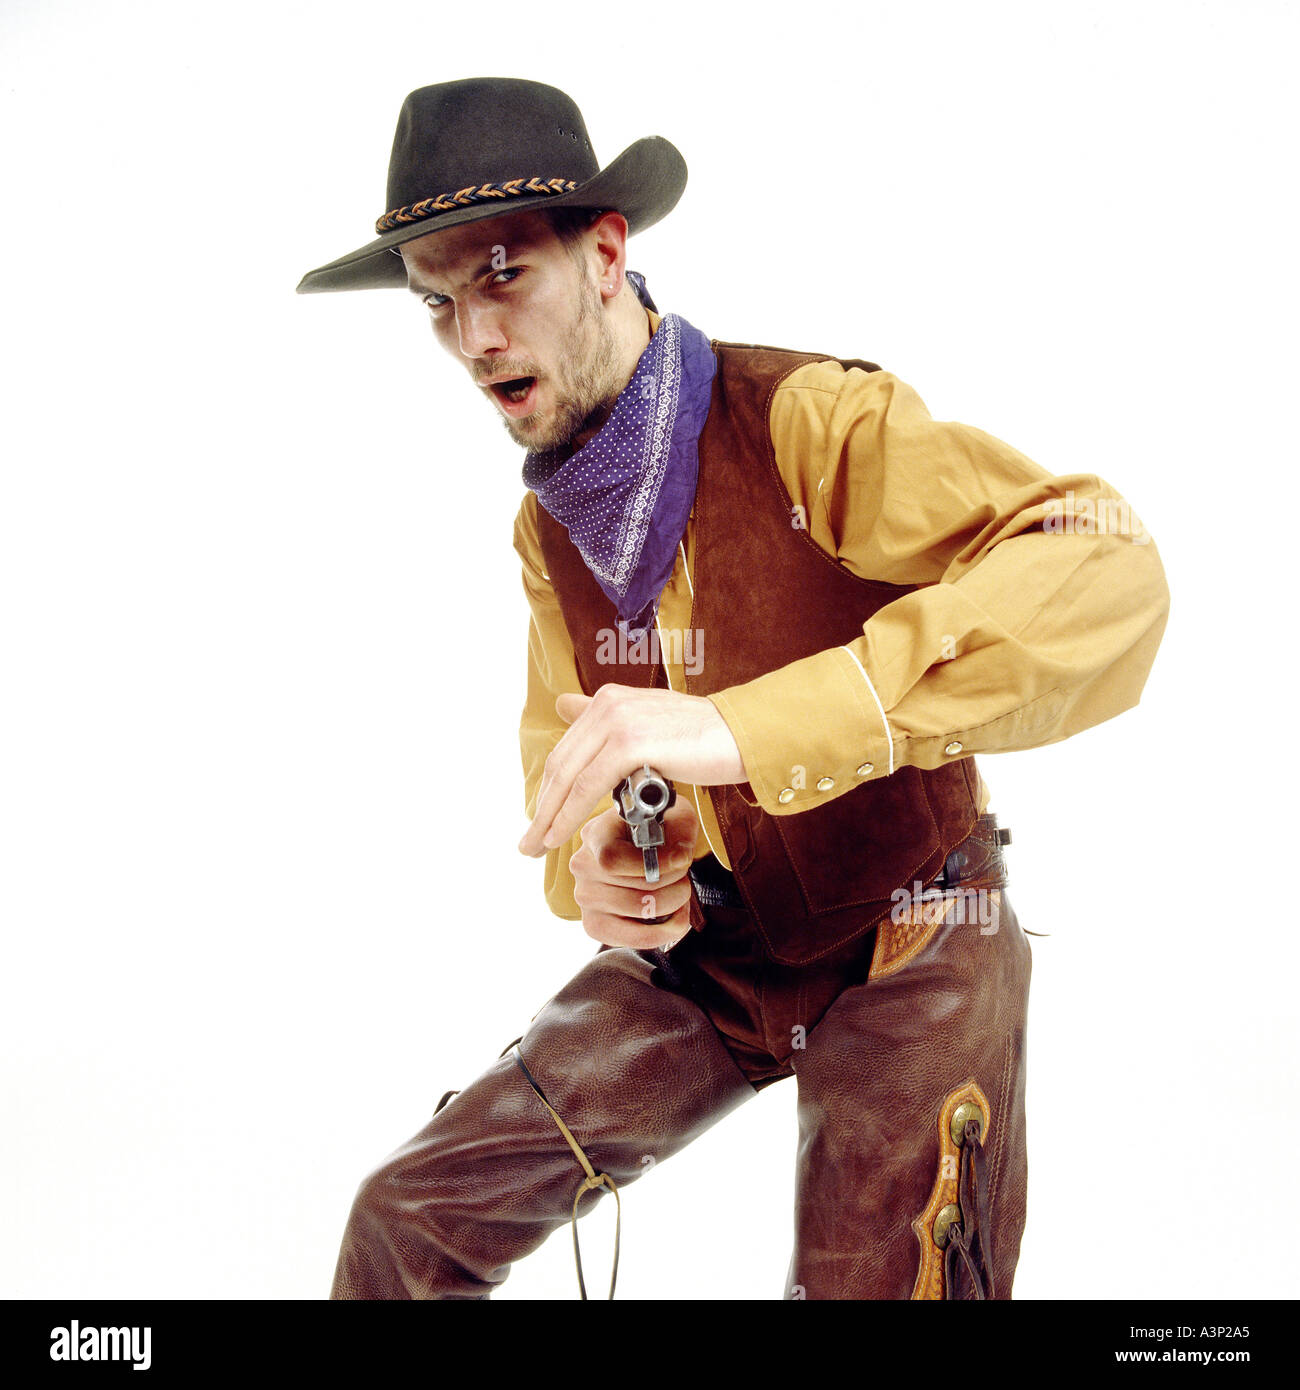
x: 367, y: 1267
x: 375, y: 1200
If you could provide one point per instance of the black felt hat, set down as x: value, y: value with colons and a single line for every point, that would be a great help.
x: 485, y: 146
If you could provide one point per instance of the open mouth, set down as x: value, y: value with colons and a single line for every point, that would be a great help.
x: 517, y: 396
x: 516, y: 390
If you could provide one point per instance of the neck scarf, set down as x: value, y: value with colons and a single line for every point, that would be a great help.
x: 626, y: 495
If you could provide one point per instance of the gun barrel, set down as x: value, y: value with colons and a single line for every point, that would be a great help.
x: 642, y: 797
x: 649, y: 791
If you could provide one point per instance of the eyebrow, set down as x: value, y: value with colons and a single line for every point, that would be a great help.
x: 524, y: 245
x: 479, y: 272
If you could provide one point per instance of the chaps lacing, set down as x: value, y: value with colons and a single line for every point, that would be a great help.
x: 591, y: 1181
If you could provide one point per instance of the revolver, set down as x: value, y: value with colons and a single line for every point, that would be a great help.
x: 642, y: 797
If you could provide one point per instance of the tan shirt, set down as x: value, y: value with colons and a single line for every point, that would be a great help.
x: 1013, y: 641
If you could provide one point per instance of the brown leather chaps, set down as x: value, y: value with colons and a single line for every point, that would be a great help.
x: 908, y: 1049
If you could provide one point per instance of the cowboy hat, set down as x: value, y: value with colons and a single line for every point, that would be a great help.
x: 485, y: 146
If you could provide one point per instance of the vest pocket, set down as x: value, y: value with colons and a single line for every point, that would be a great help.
x: 818, y: 880
x: 857, y: 857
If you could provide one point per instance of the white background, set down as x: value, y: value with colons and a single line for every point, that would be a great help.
x: 263, y: 631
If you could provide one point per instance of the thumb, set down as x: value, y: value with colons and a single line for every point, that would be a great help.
x: 569, y: 707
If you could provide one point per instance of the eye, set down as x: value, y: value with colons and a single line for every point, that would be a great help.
x: 511, y: 272
x: 435, y: 301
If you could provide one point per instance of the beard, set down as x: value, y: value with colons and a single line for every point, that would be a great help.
x: 587, y: 380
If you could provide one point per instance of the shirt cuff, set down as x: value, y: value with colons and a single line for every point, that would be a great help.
x: 809, y: 732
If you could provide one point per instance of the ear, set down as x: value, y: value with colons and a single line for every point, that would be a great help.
x: 609, y: 247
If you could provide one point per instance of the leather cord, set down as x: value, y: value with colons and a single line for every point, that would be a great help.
x: 591, y: 1181
x: 968, y: 1239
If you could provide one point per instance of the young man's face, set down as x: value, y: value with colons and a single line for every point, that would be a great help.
x: 525, y: 315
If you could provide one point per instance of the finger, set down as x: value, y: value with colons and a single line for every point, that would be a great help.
x: 640, y: 936
x: 681, y: 836
x: 642, y: 903
x: 607, y: 855
x: 622, y: 860
x: 570, y: 760
x: 664, y: 903
x: 570, y: 707
x: 573, y: 752
x: 606, y: 768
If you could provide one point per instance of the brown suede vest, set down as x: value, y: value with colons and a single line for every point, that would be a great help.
x: 766, y: 595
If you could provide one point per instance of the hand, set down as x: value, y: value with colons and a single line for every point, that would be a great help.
x: 616, y: 731
x: 610, y: 886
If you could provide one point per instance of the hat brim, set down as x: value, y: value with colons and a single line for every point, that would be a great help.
x: 644, y: 183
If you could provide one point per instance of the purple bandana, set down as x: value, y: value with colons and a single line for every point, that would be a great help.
x: 626, y: 495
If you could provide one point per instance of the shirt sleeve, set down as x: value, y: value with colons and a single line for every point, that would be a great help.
x: 1039, y: 605
x: 552, y: 671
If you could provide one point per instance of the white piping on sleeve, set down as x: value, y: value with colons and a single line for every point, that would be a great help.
x: 695, y: 792
x: 667, y: 674
x: 879, y: 706
x: 681, y: 545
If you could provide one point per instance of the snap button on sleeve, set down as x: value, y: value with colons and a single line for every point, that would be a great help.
x: 953, y: 747
x: 824, y: 784
x: 785, y: 795
x: 866, y: 769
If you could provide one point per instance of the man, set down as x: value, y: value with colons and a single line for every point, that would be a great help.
x: 773, y: 578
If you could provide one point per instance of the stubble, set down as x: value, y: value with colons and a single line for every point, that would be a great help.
x: 587, y: 379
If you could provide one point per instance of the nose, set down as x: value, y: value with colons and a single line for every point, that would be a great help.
x: 479, y: 329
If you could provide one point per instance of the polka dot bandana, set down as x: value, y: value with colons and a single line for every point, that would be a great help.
x: 626, y: 495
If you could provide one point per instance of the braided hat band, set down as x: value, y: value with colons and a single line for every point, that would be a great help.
x: 494, y: 145
x: 467, y: 197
